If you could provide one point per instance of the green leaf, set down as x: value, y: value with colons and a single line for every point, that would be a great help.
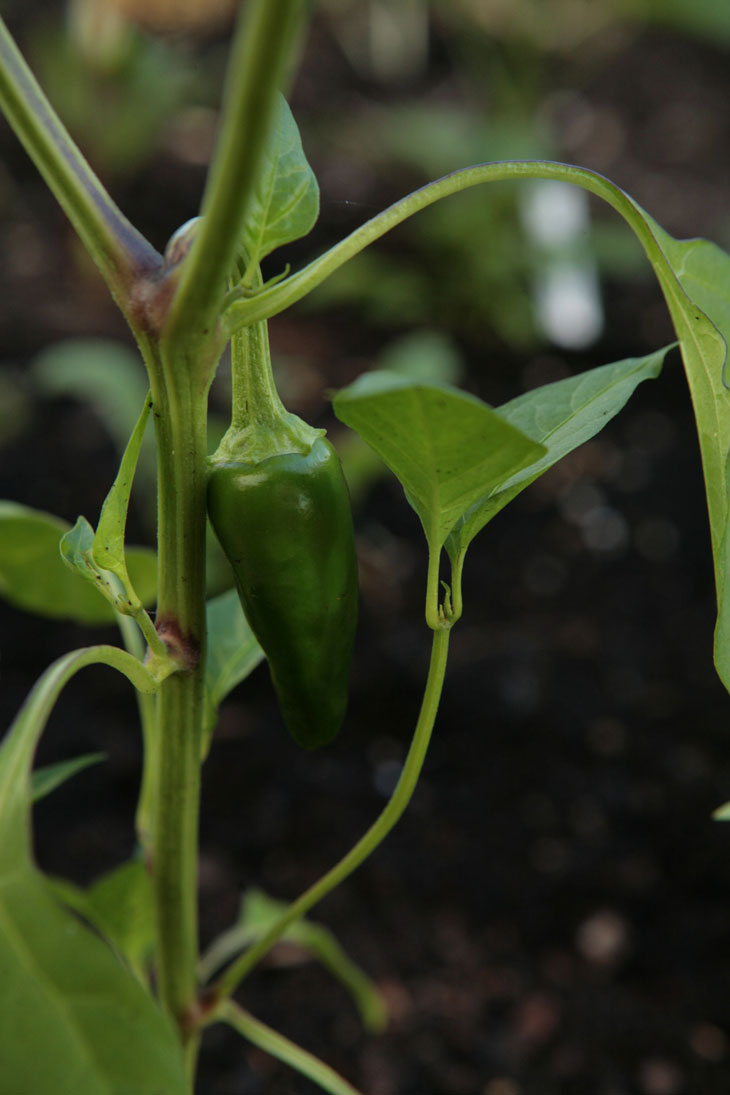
x: 446, y: 447
x: 74, y: 1020
x: 701, y: 314
x: 259, y: 912
x: 52, y: 776
x: 108, y: 547
x: 233, y: 652
x: 722, y: 813
x: 33, y: 576
x: 285, y: 202
x: 121, y: 905
x: 561, y: 416
x: 77, y: 552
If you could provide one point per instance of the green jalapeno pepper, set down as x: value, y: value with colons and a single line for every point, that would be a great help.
x: 279, y: 505
x: 286, y: 527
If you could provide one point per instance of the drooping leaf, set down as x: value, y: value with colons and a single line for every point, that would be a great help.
x: 285, y: 203
x: 259, y: 912
x: 423, y: 355
x: 74, y: 1019
x: 446, y: 447
x: 701, y: 315
x: 33, y: 576
x: 52, y: 776
x: 561, y: 416
x: 233, y: 652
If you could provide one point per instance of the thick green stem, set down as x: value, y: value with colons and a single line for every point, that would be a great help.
x: 119, y: 250
x: 146, y: 704
x: 180, y: 422
x: 261, y: 50
x: 400, y: 798
x: 260, y: 424
x: 254, y: 398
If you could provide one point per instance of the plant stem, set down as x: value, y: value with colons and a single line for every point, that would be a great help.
x: 254, y: 398
x: 400, y: 798
x: 134, y: 643
x: 180, y: 423
x: 260, y: 52
x: 432, y: 588
x: 260, y: 423
x: 119, y: 250
x: 284, y: 1050
x: 275, y: 299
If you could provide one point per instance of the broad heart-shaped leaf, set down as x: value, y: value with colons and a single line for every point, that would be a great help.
x: 561, y: 416
x: 233, y: 653
x: 285, y: 204
x: 73, y: 1018
x: 702, y: 321
x: 446, y: 447
x: 33, y: 576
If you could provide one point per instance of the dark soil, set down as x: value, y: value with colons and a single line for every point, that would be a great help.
x: 551, y: 915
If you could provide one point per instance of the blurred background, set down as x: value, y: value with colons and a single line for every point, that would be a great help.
x: 551, y: 915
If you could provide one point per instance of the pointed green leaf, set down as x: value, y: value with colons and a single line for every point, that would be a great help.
x: 34, y: 578
x: 561, y: 416
x: 108, y: 547
x: 71, y: 1012
x: 121, y: 905
x: 702, y: 320
x: 233, y: 651
x: 52, y: 776
x: 701, y: 314
x: 285, y: 204
x: 446, y: 447
x: 77, y: 552
x: 722, y: 813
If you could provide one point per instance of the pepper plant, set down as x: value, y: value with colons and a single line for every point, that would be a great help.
x: 118, y: 1000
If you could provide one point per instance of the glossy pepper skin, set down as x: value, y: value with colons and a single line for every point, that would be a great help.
x: 285, y: 525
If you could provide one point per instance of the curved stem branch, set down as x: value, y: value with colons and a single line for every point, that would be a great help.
x: 400, y: 798
x: 275, y: 299
x: 283, y: 1049
x: 119, y: 250
x: 22, y: 738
